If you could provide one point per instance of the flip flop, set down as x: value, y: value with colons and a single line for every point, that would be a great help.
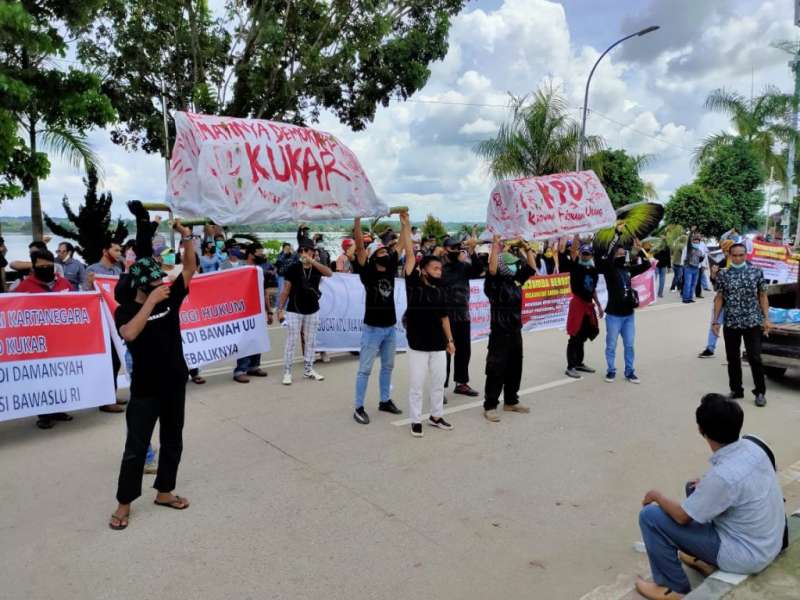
x: 123, y: 522
x: 48, y: 424
x: 61, y: 417
x: 174, y: 503
x: 198, y: 380
x: 112, y: 408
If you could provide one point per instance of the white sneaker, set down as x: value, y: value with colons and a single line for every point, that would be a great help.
x: 312, y: 374
x: 287, y: 379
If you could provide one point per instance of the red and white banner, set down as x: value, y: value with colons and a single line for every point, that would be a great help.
x: 236, y: 171
x: 545, y: 304
x: 549, y: 206
x: 776, y: 261
x: 54, y: 354
x: 221, y: 318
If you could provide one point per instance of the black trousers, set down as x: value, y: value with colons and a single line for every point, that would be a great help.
x: 575, y: 350
x: 503, y: 369
x: 166, y: 406
x: 115, y: 362
x: 462, y: 339
x: 733, y: 353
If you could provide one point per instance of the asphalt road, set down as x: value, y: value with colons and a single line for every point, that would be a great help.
x: 291, y: 499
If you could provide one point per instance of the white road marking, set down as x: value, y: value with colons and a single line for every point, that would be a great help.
x: 476, y: 403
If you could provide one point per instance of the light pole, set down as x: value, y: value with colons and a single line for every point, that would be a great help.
x: 579, y: 160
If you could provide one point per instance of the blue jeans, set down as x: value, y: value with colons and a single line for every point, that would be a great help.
x: 247, y: 363
x: 677, y: 278
x: 663, y: 537
x: 626, y: 326
x: 690, y: 275
x: 662, y: 276
x: 713, y: 339
x: 375, y: 341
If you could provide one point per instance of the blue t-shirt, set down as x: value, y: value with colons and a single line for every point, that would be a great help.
x: 209, y: 264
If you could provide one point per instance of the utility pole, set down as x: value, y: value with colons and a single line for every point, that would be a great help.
x: 794, y: 64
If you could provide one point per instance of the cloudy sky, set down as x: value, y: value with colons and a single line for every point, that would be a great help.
x: 646, y: 96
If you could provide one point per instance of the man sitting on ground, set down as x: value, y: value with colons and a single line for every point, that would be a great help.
x: 733, y: 518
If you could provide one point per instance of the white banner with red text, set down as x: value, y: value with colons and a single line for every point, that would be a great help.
x: 54, y: 354
x: 239, y: 171
x: 221, y: 318
x: 545, y: 303
x: 537, y: 208
x: 775, y: 261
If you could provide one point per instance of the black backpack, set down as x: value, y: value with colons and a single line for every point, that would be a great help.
x: 771, y: 456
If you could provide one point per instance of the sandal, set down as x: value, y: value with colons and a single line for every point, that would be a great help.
x: 178, y: 503
x: 61, y: 417
x: 111, y: 408
x: 45, y: 424
x: 122, y: 522
x: 198, y: 380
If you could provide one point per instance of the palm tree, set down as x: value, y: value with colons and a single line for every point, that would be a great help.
x: 539, y: 139
x: 761, y: 121
x: 68, y: 144
x: 649, y: 191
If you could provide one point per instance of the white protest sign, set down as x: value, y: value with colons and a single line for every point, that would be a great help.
x: 237, y: 171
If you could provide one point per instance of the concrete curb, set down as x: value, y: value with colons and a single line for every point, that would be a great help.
x: 712, y: 589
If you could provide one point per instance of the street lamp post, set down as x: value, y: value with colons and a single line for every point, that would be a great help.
x: 579, y: 160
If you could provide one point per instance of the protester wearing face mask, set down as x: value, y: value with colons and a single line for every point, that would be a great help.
x: 250, y: 366
x: 301, y: 291
x: 168, y: 264
x: 235, y: 256
x: 210, y: 260
x: 148, y: 320
x: 428, y: 333
x: 503, y: 287
x: 456, y: 274
x: 43, y: 279
x: 692, y: 259
x: 109, y: 264
x: 582, y: 319
x: 743, y: 295
x: 622, y: 302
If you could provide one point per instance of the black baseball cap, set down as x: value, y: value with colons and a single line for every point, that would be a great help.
x: 452, y: 243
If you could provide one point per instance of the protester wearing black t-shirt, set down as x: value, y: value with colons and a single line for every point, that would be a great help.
x: 622, y: 301
x: 456, y: 274
x: 582, y: 322
x: 428, y: 333
x: 377, y: 271
x: 301, y: 290
x: 503, y: 287
x: 148, y: 319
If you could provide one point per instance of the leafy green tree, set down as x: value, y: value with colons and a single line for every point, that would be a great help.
x: 276, y: 59
x: 693, y: 206
x: 619, y: 174
x: 272, y: 248
x: 53, y: 108
x: 539, y: 139
x: 760, y: 122
x: 91, y: 226
x: 433, y: 227
x: 733, y: 175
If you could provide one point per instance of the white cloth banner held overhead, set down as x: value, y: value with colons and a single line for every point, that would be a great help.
x: 221, y: 318
x: 238, y: 171
x: 55, y: 354
x: 549, y: 206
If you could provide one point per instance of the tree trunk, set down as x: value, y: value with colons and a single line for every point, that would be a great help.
x: 37, y: 225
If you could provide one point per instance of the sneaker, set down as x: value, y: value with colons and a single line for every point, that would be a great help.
x: 517, y: 408
x: 465, y: 390
x: 389, y: 407
x: 440, y: 423
x: 241, y: 378
x: 287, y: 379
x: 361, y: 416
x: 632, y: 378
x: 492, y: 415
x: 584, y: 369
x: 610, y: 377
x: 706, y: 353
x: 312, y: 374
x: 416, y: 429
x: 572, y: 372
x: 761, y: 400
x: 735, y: 395
x: 258, y: 372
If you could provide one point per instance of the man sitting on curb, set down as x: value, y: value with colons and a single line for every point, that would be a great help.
x: 733, y: 518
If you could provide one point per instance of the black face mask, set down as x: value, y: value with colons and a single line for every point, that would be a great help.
x: 619, y: 261
x: 382, y: 260
x: 259, y: 260
x: 45, y: 274
x: 454, y: 254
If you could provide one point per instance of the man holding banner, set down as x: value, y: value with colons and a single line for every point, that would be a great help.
x: 377, y: 271
x: 148, y: 320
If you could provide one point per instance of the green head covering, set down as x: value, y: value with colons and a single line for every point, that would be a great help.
x: 509, y: 259
x: 144, y: 272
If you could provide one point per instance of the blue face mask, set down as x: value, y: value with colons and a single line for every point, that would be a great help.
x: 223, y: 256
x: 696, y: 245
x: 739, y: 266
x: 586, y: 262
x: 168, y: 259
x: 512, y: 269
x: 220, y: 245
x: 236, y: 253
